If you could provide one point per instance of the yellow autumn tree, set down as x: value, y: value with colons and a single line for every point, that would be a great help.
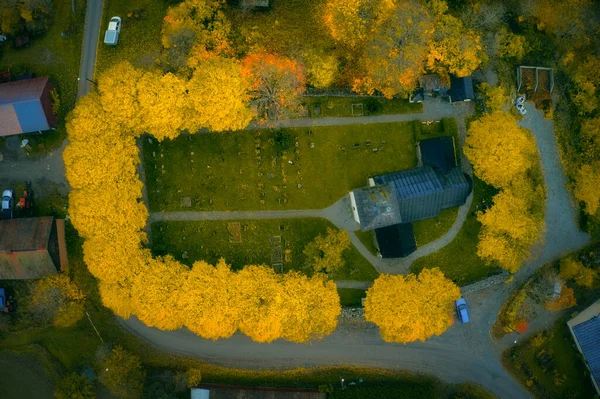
x: 261, y: 303
x: 211, y: 303
x: 495, y: 96
x: 351, y: 22
x: 218, y: 96
x: 162, y: 104
x: 511, y: 46
x: 499, y: 149
x: 587, y: 82
x: 509, y: 229
x: 57, y: 300
x: 321, y: 68
x: 411, y: 308
x: 395, y: 54
x: 586, y: 187
x: 312, y: 307
x: 156, y: 293
x: 324, y: 253
x: 454, y: 48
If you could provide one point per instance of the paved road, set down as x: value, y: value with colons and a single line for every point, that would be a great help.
x: 91, y: 32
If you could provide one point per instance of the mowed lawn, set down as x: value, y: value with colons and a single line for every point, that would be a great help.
x: 243, y: 171
x: 248, y: 242
x: 54, y: 56
x: 140, y: 38
x: 458, y: 260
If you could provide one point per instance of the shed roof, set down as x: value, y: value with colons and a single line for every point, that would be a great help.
x: 461, y: 89
x: 21, y: 108
x: 396, y: 241
x: 25, y: 234
x: 588, y: 337
x: 217, y: 391
x: 439, y: 153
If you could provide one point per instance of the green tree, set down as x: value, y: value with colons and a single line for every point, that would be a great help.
x: 324, y: 253
x: 123, y: 374
x: 74, y: 386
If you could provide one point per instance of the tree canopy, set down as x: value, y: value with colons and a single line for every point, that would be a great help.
x: 411, y: 308
x: 324, y: 253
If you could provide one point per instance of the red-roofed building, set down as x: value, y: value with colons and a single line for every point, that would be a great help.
x: 32, y: 248
x: 26, y: 106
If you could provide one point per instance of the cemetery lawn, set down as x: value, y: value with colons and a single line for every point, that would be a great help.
x: 458, y: 260
x: 247, y: 170
x: 429, y: 230
x: 247, y: 242
x: 369, y: 106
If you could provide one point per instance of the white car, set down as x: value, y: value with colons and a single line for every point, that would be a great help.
x: 7, y: 204
x: 112, y: 33
x: 521, y: 109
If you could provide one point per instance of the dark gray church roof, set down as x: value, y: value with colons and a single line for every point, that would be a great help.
x: 376, y: 206
x: 588, y: 336
x: 420, y: 193
x: 439, y: 153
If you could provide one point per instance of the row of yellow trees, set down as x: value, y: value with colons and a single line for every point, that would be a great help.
x: 504, y: 155
x: 212, y: 301
x: 101, y: 162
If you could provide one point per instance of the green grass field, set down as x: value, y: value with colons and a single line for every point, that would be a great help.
x: 369, y: 106
x: 458, y: 260
x: 429, y: 230
x: 351, y: 296
x: 368, y: 240
x: 212, y: 240
x: 243, y: 171
x: 566, y: 363
x: 139, y: 40
x: 57, y: 57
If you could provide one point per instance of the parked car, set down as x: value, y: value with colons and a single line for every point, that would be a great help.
x: 2, y: 300
x: 112, y: 33
x: 461, y: 309
x: 7, y: 204
x: 521, y: 109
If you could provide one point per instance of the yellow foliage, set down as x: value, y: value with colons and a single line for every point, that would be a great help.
x: 324, y: 253
x: 571, y: 269
x: 57, y: 299
x: 312, y: 307
x: 587, y: 189
x: 495, y: 97
x: 501, y: 249
x: 219, y: 96
x: 321, y: 69
x: 499, y: 149
x: 564, y: 301
x: 211, y: 303
x: 411, y: 308
x: 511, y: 46
x: 156, y: 293
x: 261, y: 303
x: 454, y: 48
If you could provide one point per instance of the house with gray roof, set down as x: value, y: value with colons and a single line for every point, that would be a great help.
x: 407, y: 196
x: 585, y: 329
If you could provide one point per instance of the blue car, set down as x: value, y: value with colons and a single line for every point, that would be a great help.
x: 2, y: 299
x: 461, y: 309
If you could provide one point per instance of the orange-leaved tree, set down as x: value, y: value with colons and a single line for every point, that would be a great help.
x: 276, y: 83
x: 411, y: 308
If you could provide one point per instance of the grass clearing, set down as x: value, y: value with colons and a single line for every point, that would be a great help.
x: 243, y: 171
x: 139, y: 41
x: 429, y: 230
x: 351, y: 296
x: 458, y: 260
x: 566, y: 365
x: 28, y: 373
x: 57, y: 57
x: 212, y: 240
x: 330, y: 106
x: 368, y: 240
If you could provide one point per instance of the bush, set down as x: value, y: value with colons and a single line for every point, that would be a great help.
x: 123, y: 374
x: 283, y: 141
x: 373, y: 106
x: 74, y: 386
